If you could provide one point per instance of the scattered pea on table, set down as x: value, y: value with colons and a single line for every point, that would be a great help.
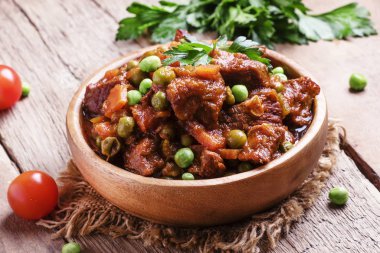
x: 338, y: 195
x: 25, y: 89
x: 71, y: 247
x: 358, y: 82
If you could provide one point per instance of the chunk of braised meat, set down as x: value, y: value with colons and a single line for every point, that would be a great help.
x: 272, y: 107
x: 193, y: 97
x: 262, y: 143
x: 207, y: 164
x: 146, y: 117
x: 238, y: 68
x: 262, y: 107
x: 243, y: 115
x: 211, y: 139
x: 299, y: 94
x: 96, y: 94
x: 143, y: 157
x: 171, y: 170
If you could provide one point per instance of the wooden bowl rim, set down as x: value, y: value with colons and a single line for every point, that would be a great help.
x: 74, y: 116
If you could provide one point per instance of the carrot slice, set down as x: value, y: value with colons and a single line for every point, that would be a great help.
x: 116, y: 100
x: 97, y: 119
x: 105, y: 129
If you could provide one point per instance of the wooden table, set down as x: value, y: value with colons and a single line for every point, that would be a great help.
x: 54, y: 44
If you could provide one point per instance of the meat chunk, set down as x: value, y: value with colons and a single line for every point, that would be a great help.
x: 143, y: 158
x: 207, y: 164
x: 96, y: 94
x: 193, y: 98
x: 263, y: 142
x: 238, y: 68
x: 211, y: 139
x: 299, y: 94
x: 262, y: 107
x: 243, y: 115
x: 272, y: 107
x: 146, y: 117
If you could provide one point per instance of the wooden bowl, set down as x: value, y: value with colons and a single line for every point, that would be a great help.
x: 199, y: 202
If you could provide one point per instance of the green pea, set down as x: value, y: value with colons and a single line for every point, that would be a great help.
x: 236, y: 138
x: 278, y: 86
x: 358, y: 82
x: 282, y: 77
x: 163, y: 76
x: 135, y: 76
x: 134, y: 97
x: 25, y: 89
x: 159, y: 101
x: 145, y: 85
x: 338, y: 195
x: 245, y: 166
x: 230, y: 99
x: 125, y: 126
x: 187, y: 176
x: 278, y: 70
x: 110, y: 146
x: 98, y: 141
x: 184, y: 157
x: 286, y: 146
x: 167, y: 132
x: 150, y: 63
x: 132, y: 64
x: 71, y: 247
x: 240, y: 92
x: 186, y: 140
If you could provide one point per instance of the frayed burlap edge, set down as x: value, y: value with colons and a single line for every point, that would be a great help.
x: 82, y: 211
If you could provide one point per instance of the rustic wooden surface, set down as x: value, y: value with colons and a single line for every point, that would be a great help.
x: 54, y: 44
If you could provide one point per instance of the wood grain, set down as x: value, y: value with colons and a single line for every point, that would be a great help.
x: 353, y: 228
x: 17, y: 235
x: 55, y: 44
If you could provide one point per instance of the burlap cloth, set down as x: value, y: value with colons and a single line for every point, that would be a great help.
x: 82, y: 211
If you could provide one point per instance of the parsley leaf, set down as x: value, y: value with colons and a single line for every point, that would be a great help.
x: 192, y: 52
x: 265, y: 21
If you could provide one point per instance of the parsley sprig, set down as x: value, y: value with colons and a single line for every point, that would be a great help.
x: 193, y: 52
x: 265, y: 21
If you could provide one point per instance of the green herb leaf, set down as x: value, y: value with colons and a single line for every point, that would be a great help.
x: 250, y: 48
x: 265, y: 21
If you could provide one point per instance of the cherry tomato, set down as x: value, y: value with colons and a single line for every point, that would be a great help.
x: 33, y: 195
x: 10, y: 87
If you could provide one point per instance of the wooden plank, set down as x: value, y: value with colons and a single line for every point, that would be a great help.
x: 353, y: 228
x: 54, y: 50
x: 332, y: 63
x: 16, y: 234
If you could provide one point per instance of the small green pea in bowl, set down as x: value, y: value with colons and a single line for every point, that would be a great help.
x: 198, y: 202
